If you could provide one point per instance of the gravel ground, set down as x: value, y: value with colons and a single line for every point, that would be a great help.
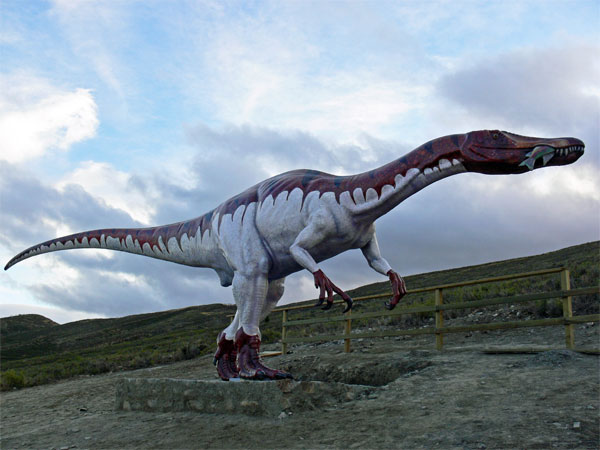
x: 421, y: 398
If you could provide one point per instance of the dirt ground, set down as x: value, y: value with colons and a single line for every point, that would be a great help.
x: 458, y: 398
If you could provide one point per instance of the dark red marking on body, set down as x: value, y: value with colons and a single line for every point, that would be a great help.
x: 150, y: 236
x: 308, y: 180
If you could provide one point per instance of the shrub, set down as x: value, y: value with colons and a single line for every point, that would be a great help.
x: 141, y: 362
x: 11, y: 379
x: 191, y: 350
x: 548, y: 308
x: 97, y: 366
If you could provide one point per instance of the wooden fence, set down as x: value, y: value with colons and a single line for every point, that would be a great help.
x: 439, y: 330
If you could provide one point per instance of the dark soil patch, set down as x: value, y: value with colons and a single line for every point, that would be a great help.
x: 551, y: 358
x: 378, y: 372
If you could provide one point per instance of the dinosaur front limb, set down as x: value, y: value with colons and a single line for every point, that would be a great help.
x: 225, y: 358
x: 378, y: 263
x: 315, y: 233
x: 398, y: 289
x: 249, y: 363
x: 326, y: 286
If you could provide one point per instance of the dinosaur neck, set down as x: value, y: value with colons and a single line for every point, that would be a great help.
x: 383, y: 188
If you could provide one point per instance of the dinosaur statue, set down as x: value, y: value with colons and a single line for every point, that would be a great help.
x: 294, y: 220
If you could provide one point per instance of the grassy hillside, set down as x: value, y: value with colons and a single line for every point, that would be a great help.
x: 36, y: 350
x: 100, y: 345
x: 23, y: 323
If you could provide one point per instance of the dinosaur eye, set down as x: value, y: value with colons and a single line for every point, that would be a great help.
x: 495, y: 135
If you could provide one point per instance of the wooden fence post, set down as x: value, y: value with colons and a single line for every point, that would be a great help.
x: 348, y: 330
x: 565, y: 285
x: 439, y: 320
x: 284, y: 332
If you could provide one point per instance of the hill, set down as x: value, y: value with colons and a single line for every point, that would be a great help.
x: 100, y: 345
x: 24, y: 323
x: 40, y: 353
x: 91, y: 333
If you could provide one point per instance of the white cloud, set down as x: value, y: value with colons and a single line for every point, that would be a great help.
x: 339, y: 106
x: 580, y: 181
x: 271, y: 73
x: 552, y: 89
x: 94, y: 29
x: 124, y: 278
x: 567, y: 184
x: 114, y: 187
x: 54, y: 272
x: 36, y: 117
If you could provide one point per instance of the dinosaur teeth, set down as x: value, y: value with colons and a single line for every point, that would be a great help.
x: 573, y: 148
x: 444, y: 164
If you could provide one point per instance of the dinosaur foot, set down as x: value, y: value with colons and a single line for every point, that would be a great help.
x: 225, y: 358
x: 398, y: 289
x: 249, y: 363
x: 325, y: 285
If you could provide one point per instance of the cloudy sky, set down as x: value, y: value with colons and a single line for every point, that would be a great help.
x: 137, y: 113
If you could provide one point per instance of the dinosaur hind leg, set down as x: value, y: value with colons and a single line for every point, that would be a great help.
x: 274, y: 293
x: 260, y: 297
x: 226, y: 355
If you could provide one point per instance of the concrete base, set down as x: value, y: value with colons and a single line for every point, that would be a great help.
x: 267, y: 398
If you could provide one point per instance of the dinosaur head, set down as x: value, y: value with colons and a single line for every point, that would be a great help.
x: 501, y: 152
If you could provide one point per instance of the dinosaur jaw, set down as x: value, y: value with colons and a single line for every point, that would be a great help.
x: 501, y: 152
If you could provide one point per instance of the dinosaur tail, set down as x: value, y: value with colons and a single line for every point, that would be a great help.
x: 169, y: 242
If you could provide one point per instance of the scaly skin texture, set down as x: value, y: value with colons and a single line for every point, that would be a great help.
x: 294, y: 220
x: 249, y: 364
x: 226, y: 358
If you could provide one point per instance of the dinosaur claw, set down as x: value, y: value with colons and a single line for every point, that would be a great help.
x: 348, y: 305
x: 327, y: 287
x: 398, y: 289
x: 327, y: 306
x: 283, y: 375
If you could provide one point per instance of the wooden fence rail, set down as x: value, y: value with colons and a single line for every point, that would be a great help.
x: 438, y: 308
